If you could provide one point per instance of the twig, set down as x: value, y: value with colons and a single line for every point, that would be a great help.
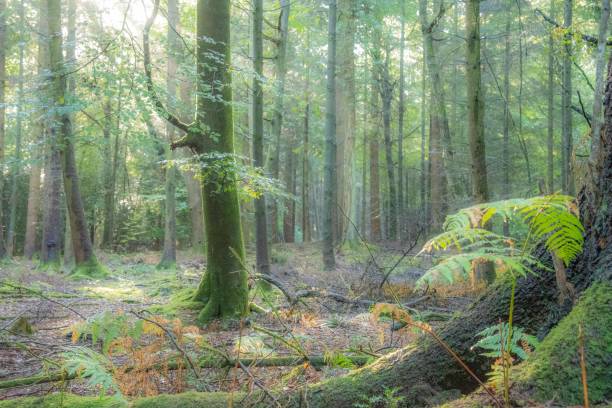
x: 171, y: 337
x: 583, y: 372
x: 41, y: 295
x: 404, y: 255
x: 258, y: 384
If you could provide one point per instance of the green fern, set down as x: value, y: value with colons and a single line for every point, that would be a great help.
x: 550, y: 220
x: 491, y: 340
x: 95, y: 367
x: 107, y: 327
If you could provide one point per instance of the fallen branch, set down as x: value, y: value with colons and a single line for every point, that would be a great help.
x: 294, y: 298
x: 285, y: 361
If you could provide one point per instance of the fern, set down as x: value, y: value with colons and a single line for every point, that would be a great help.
x: 95, y: 367
x: 551, y: 220
x: 520, y: 344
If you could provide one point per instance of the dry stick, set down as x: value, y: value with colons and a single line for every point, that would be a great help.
x: 258, y: 384
x: 41, y: 295
x: 171, y: 337
x: 583, y: 372
x: 404, y: 255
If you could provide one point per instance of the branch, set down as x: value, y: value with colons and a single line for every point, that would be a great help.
x: 283, y: 361
x: 582, y: 111
x: 588, y: 38
x: 157, y: 103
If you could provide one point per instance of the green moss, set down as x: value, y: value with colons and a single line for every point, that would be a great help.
x: 22, y: 326
x: 63, y: 401
x: 554, y: 369
x: 90, y: 269
x: 166, y: 265
x: 193, y: 400
x: 180, y: 300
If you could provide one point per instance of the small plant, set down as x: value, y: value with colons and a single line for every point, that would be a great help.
x: 505, y: 344
x: 335, y: 321
x: 388, y: 399
x: 95, y: 367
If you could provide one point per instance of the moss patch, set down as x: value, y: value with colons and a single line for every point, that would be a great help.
x: 90, y: 269
x: 63, y: 401
x: 554, y: 369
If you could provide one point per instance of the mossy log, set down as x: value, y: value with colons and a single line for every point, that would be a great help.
x: 283, y: 361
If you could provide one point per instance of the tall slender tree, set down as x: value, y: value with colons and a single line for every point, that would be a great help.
x: 329, y: 196
x: 567, y: 179
x: 400, y: 125
x: 223, y: 289
x: 168, y: 258
x: 86, y: 263
x: 261, y: 232
x: 550, y: 113
x: 16, y: 170
x: 280, y: 66
x: 475, y: 116
x: 345, y: 113
x: 2, y: 116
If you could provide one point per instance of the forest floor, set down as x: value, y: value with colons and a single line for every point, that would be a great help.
x: 57, y: 309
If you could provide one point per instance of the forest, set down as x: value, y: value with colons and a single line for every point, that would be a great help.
x: 305, y: 203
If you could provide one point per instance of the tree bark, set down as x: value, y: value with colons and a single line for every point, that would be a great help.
x: 567, y: 178
x: 61, y: 131
x: 16, y: 170
x: 168, y: 258
x: 2, y: 116
x: 306, y: 227
x: 400, y: 126
x: 261, y: 231
x: 329, y: 195
x: 550, y: 165
x: 277, y: 116
x: 345, y: 114
x: 599, y: 86
x: 290, y: 183
x: 375, y: 221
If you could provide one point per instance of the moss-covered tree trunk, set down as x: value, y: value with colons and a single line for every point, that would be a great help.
x: 61, y: 131
x: 2, y: 113
x: 223, y: 289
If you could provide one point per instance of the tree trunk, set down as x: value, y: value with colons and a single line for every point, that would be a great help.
x: 2, y: 116
x: 386, y: 93
x: 375, y: 221
x: 567, y: 178
x: 16, y: 170
x: 440, y: 134
x: 329, y: 195
x: 61, y: 131
x: 345, y: 114
x: 400, y: 128
x: 599, y: 86
x: 261, y: 231
x: 224, y: 285
x: 550, y: 165
x: 424, y: 166
x: 306, y: 227
x: 168, y: 258
x: 475, y: 106
x: 289, y: 215
x: 109, y: 193
x: 277, y: 116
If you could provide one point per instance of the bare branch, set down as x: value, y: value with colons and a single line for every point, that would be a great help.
x: 586, y: 37
x: 159, y: 106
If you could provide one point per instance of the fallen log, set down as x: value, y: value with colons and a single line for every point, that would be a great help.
x: 281, y: 361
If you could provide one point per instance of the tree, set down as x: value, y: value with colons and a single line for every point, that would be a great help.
x: 439, y: 132
x: 280, y: 66
x: 599, y: 84
x: 223, y: 289
x: 345, y: 113
x: 330, y: 202
x: 261, y: 231
x: 550, y: 165
x: 567, y: 179
x: 16, y: 170
x: 400, y: 125
x: 2, y: 116
x: 475, y: 112
x: 86, y: 263
x: 168, y: 259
